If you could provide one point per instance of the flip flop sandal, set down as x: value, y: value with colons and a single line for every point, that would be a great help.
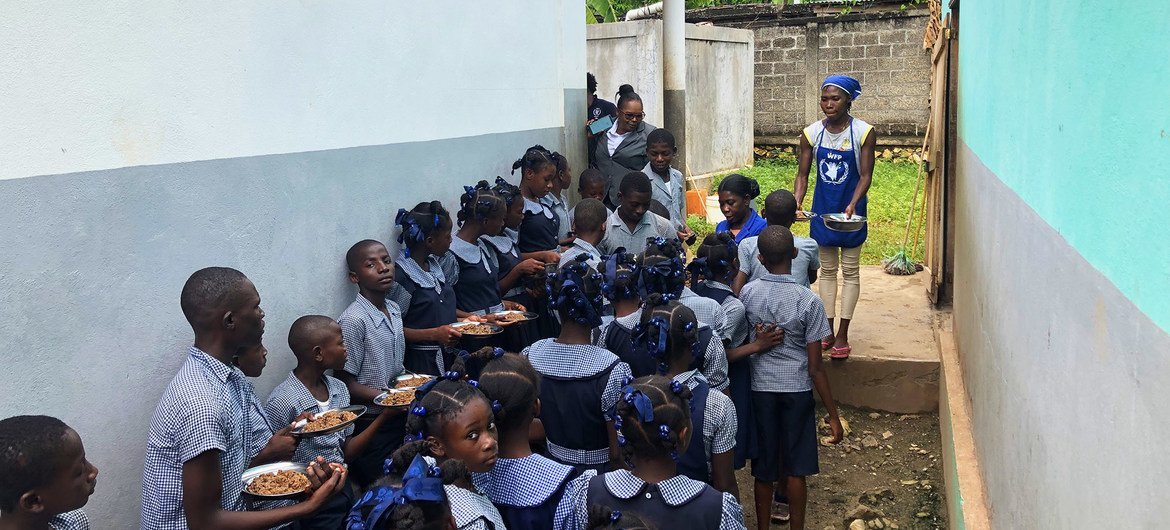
x: 780, y: 513
x: 840, y: 353
x: 826, y: 344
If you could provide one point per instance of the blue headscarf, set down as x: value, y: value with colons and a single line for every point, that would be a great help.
x: 850, y: 85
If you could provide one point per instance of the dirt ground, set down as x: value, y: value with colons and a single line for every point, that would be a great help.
x: 886, y: 470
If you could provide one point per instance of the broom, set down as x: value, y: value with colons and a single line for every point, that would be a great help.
x: 901, y: 263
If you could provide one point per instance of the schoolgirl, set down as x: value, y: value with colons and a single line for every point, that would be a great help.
x: 451, y: 423
x: 555, y: 198
x: 580, y: 382
x: 540, y: 227
x: 669, y: 333
x: 427, y: 297
x: 530, y: 490
x: 414, y: 500
x: 653, y: 417
x: 520, y: 279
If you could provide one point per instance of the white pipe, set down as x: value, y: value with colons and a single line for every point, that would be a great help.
x: 674, y: 55
x: 644, y: 12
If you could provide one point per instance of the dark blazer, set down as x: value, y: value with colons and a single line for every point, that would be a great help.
x: 629, y: 156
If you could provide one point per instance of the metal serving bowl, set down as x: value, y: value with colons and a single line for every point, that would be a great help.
x: 837, y: 222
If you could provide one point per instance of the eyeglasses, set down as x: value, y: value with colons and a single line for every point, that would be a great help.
x: 633, y: 116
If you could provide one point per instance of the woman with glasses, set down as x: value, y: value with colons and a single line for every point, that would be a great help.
x: 622, y: 148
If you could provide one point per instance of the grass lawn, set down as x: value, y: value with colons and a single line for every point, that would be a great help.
x: 889, y: 202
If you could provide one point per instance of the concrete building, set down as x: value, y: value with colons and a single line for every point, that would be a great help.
x: 142, y: 142
x: 1061, y: 280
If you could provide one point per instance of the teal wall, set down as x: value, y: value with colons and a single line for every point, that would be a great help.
x: 1068, y: 103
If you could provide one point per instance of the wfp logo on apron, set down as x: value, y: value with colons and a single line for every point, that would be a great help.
x: 833, y: 168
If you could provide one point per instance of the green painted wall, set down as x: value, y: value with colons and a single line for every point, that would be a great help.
x: 1068, y: 103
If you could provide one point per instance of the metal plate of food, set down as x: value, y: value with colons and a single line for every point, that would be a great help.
x: 516, y: 316
x: 276, y: 481
x: 329, y: 421
x: 395, y: 398
x: 477, y: 328
x: 838, y: 222
x: 411, y: 380
x: 802, y: 215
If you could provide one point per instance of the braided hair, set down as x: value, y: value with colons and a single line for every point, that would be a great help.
x: 534, y: 158
x: 667, y: 331
x: 621, y: 276
x: 715, y: 258
x: 602, y: 517
x: 385, y: 507
x: 506, y: 190
x: 479, y: 203
x: 662, y: 267
x: 509, y: 381
x: 650, y: 417
x: 420, y: 223
x: 439, y: 400
x: 575, y: 292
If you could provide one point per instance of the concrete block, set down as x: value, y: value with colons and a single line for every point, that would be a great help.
x: 842, y: 65
x: 763, y: 68
x: 865, y: 38
x: 796, y: 80
x: 830, y: 53
x: 918, y: 77
x: 882, y: 50
x: 912, y: 49
x: 845, y: 39
x: 786, y: 67
x: 784, y: 42
x: 891, y: 37
x: 848, y: 52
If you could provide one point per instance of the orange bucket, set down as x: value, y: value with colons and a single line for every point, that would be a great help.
x: 697, y: 202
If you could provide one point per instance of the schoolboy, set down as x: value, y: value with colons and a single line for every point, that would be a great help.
x: 667, y: 181
x: 633, y: 223
x: 372, y: 329
x: 783, y: 378
x: 45, y: 478
x: 266, y: 445
x: 589, y: 226
x: 591, y: 185
x: 317, y: 343
x: 199, y: 434
x: 780, y: 210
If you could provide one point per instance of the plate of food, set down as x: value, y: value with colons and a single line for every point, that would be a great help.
x: 515, y: 316
x: 477, y: 328
x: 802, y: 215
x: 276, y: 481
x: 329, y: 421
x: 411, y: 380
x: 395, y: 397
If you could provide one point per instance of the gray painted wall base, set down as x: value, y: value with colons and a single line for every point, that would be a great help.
x: 93, y: 264
x: 1068, y: 379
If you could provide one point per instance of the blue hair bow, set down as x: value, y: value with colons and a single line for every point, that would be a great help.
x: 571, y: 298
x: 643, y: 407
x: 412, y: 232
x: 419, y: 484
x: 654, y: 334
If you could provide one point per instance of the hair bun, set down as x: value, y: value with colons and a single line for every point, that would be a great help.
x: 626, y: 89
x: 753, y: 189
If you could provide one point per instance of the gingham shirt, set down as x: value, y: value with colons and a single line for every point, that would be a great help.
x: 719, y: 420
x: 580, y: 246
x: 74, y: 520
x: 806, y: 262
x: 714, y: 358
x: 205, y: 408
x: 670, y: 194
x: 374, y: 342
x: 290, y: 398
x: 707, y: 311
x: 258, y: 419
x: 675, y: 491
x: 778, y: 299
x: 737, y: 325
x: 473, y: 510
x: 618, y: 234
x: 530, y: 481
x: 552, y: 358
x: 560, y: 208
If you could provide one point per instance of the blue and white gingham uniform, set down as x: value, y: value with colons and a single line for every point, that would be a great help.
x: 719, y: 419
x: 778, y: 299
x: 530, y: 481
x: 806, y: 263
x: 737, y: 325
x: 374, y: 342
x: 290, y: 398
x: 707, y: 311
x: 577, y: 361
x: 205, y: 408
x: 580, y: 246
x: 714, y: 358
x: 560, y: 208
x: 74, y: 520
x: 675, y: 491
x: 258, y: 419
x: 473, y: 510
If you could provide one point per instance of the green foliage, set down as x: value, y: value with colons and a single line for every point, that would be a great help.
x: 615, y: 10
x: 701, y: 228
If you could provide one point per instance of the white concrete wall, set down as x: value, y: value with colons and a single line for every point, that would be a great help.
x: 628, y: 53
x: 142, y: 142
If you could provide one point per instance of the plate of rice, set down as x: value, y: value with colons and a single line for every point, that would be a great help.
x: 329, y: 421
x: 276, y: 481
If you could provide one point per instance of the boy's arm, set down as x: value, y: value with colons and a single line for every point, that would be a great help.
x: 764, y: 337
x: 723, y: 472
x: 203, y: 489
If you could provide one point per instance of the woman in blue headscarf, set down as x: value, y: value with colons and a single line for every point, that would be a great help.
x: 842, y: 149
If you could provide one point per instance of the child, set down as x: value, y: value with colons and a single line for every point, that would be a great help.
x: 266, y: 447
x: 371, y: 328
x: 591, y: 185
x: 712, y: 413
x: 481, y: 212
x: 199, y: 435
x: 654, y: 421
x: 621, y: 285
x: 555, y: 199
x: 521, y: 274
x: 428, y: 296
x: 632, y: 223
x: 46, y: 478
x: 317, y: 343
x: 453, y: 426
x: 667, y: 181
x: 589, y: 227
x: 414, y: 501
x: 540, y: 229
x: 580, y: 382
x: 782, y: 378
x: 779, y: 209
x: 736, y: 193
x: 530, y: 490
